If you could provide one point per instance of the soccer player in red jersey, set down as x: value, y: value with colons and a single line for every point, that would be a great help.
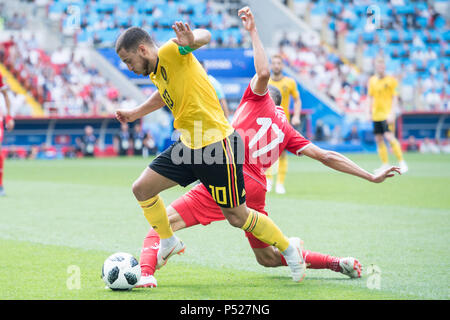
x: 266, y: 133
x: 9, y: 124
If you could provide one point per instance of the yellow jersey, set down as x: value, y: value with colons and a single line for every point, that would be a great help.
x: 382, y: 90
x: 184, y: 86
x: 288, y: 88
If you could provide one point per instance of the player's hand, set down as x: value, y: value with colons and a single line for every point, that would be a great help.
x: 125, y: 116
x: 295, y: 121
x: 185, y: 36
x: 9, y: 125
x: 248, y: 21
x: 388, y: 173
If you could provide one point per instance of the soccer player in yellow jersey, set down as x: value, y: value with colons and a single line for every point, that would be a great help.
x: 288, y: 89
x: 209, y: 148
x: 382, y: 92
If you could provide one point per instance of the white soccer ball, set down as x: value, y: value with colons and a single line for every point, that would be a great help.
x: 121, y: 271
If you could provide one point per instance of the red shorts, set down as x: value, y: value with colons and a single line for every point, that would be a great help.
x: 198, y: 207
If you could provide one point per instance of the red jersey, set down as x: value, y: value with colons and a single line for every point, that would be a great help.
x: 266, y: 133
x: 2, y: 87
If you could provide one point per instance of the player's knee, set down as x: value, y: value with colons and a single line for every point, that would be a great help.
x: 235, y: 216
x: 235, y: 221
x: 379, y: 138
x: 266, y: 261
x: 389, y: 136
x: 175, y: 219
x: 141, y: 192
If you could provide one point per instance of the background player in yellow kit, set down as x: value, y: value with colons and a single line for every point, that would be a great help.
x: 209, y: 148
x: 288, y: 89
x: 383, y: 102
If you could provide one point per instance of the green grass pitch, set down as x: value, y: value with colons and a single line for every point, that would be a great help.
x: 61, y: 219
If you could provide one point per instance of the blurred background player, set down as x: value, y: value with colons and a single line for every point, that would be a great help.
x: 383, y: 103
x: 219, y: 91
x: 7, y: 121
x: 288, y: 89
x: 143, y: 142
x: 122, y: 141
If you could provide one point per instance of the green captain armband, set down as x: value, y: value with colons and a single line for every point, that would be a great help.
x: 185, y: 50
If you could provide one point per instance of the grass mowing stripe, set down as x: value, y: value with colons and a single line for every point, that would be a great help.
x: 401, y: 225
x: 36, y: 271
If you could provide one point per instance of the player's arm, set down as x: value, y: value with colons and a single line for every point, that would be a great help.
x: 189, y: 40
x: 153, y: 103
x: 261, y: 79
x: 343, y: 164
x: 297, y: 106
x: 9, y: 123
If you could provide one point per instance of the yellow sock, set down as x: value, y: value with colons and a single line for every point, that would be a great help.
x: 263, y: 228
x: 397, y: 149
x: 383, y: 152
x: 155, y: 213
x: 282, y: 168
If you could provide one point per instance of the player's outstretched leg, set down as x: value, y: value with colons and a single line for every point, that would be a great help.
x: 177, y: 247
x: 264, y: 229
x: 149, y: 253
x: 146, y: 190
x: 148, y: 260
x: 350, y: 267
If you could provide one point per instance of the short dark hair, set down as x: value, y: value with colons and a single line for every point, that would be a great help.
x: 275, y: 94
x: 131, y: 38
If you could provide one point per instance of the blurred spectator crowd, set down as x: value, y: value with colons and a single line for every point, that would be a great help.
x: 413, y: 37
x: 99, y: 22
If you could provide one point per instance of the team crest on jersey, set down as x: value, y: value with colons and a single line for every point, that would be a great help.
x: 164, y: 73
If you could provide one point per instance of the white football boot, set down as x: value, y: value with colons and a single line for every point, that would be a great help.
x: 165, y: 253
x: 350, y: 267
x: 147, y: 281
x: 295, y: 260
x: 279, y: 188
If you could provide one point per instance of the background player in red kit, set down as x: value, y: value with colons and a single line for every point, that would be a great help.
x: 5, y: 120
x: 266, y: 133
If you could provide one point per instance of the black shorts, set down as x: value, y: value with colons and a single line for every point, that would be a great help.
x: 218, y: 166
x: 380, y: 127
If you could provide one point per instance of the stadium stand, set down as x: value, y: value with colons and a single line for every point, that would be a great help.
x: 337, y: 63
x: 63, y: 83
x: 101, y: 22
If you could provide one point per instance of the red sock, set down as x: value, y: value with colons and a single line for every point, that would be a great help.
x: 316, y: 260
x: 149, y: 253
x: 1, y: 168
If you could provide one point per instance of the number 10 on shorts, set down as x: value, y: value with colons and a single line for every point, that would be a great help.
x: 219, y: 194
